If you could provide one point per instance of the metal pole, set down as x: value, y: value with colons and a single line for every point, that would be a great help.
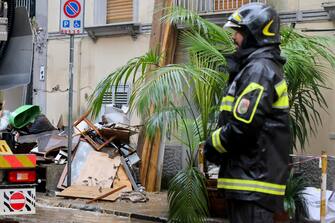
x: 323, y: 187
x: 70, y: 122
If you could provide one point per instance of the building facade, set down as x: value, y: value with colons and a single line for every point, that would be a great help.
x: 114, y: 33
x: 118, y: 30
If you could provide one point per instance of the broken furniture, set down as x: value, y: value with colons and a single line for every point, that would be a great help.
x: 103, y: 162
x: 96, y: 145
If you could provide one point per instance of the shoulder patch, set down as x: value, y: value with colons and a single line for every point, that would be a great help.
x: 243, y: 106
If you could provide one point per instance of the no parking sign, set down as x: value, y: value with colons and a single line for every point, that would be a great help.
x: 71, y: 16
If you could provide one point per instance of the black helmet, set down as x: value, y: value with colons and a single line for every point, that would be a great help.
x: 260, y: 20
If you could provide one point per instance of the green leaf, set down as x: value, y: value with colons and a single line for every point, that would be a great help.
x: 188, y: 198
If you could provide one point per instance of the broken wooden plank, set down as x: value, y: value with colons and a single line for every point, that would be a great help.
x: 121, y: 179
x: 153, y: 163
x: 77, y: 191
x: 98, y: 170
x: 164, y: 35
x: 106, y: 194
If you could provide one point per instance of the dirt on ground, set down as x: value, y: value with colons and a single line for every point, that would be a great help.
x: 67, y: 215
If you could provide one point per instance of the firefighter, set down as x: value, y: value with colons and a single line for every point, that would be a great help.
x: 253, y: 138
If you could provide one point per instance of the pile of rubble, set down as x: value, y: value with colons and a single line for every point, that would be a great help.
x: 103, y: 163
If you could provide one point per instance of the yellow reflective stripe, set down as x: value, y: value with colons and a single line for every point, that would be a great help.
x: 251, y: 185
x: 227, y: 103
x: 251, y: 87
x: 266, y: 29
x: 283, y: 100
x: 4, y: 148
x: 227, y: 98
x: 25, y: 161
x: 226, y: 108
x: 237, y: 16
x: 216, y: 141
x: 4, y: 163
x: 260, y: 190
x: 281, y: 88
x: 266, y: 184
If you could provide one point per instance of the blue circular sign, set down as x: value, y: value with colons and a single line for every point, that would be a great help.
x: 72, y: 8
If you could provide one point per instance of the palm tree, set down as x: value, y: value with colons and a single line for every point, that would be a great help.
x: 186, y: 96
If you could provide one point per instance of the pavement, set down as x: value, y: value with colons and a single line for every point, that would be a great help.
x: 67, y: 215
x: 154, y: 210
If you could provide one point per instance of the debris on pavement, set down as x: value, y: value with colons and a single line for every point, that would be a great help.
x: 134, y: 196
x: 106, y: 194
x: 312, y: 196
x: 104, y: 163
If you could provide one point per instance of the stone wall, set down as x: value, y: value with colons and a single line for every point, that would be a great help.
x: 312, y: 173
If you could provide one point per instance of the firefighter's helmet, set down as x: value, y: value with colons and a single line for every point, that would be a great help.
x: 260, y: 20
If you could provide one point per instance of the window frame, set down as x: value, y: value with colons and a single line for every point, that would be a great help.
x: 100, y: 13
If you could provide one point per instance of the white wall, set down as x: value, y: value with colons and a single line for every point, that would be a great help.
x: 322, y: 141
x: 146, y: 8
x: 293, y: 5
x: 93, y: 62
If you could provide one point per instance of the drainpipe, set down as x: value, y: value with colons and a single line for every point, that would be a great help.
x: 79, y: 77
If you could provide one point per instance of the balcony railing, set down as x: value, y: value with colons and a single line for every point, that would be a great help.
x: 213, y: 6
x: 29, y: 5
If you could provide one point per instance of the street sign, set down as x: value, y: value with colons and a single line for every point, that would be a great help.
x: 17, y: 201
x: 71, y: 16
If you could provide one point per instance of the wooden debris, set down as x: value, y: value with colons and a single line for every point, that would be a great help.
x: 164, y: 35
x: 121, y: 178
x: 77, y: 191
x: 106, y: 194
x: 98, y: 170
x: 95, y: 144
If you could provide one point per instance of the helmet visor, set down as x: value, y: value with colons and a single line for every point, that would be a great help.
x: 231, y: 24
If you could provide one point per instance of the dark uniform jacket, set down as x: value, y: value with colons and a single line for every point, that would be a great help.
x: 253, y: 139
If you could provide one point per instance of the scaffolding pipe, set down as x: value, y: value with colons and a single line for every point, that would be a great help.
x: 323, y: 209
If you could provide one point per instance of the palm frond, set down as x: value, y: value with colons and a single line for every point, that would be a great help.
x: 309, y: 61
x: 202, y: 49
x: 121, y: 76
x: 188, y: 18
x: 295, y: 203
x: 187, y: 195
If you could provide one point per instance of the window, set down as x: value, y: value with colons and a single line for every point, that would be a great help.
x: 206, y: 6
x: 115, y: 11
x: 229, y: 4
x: 119, y: 11
x: 119, y: 97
